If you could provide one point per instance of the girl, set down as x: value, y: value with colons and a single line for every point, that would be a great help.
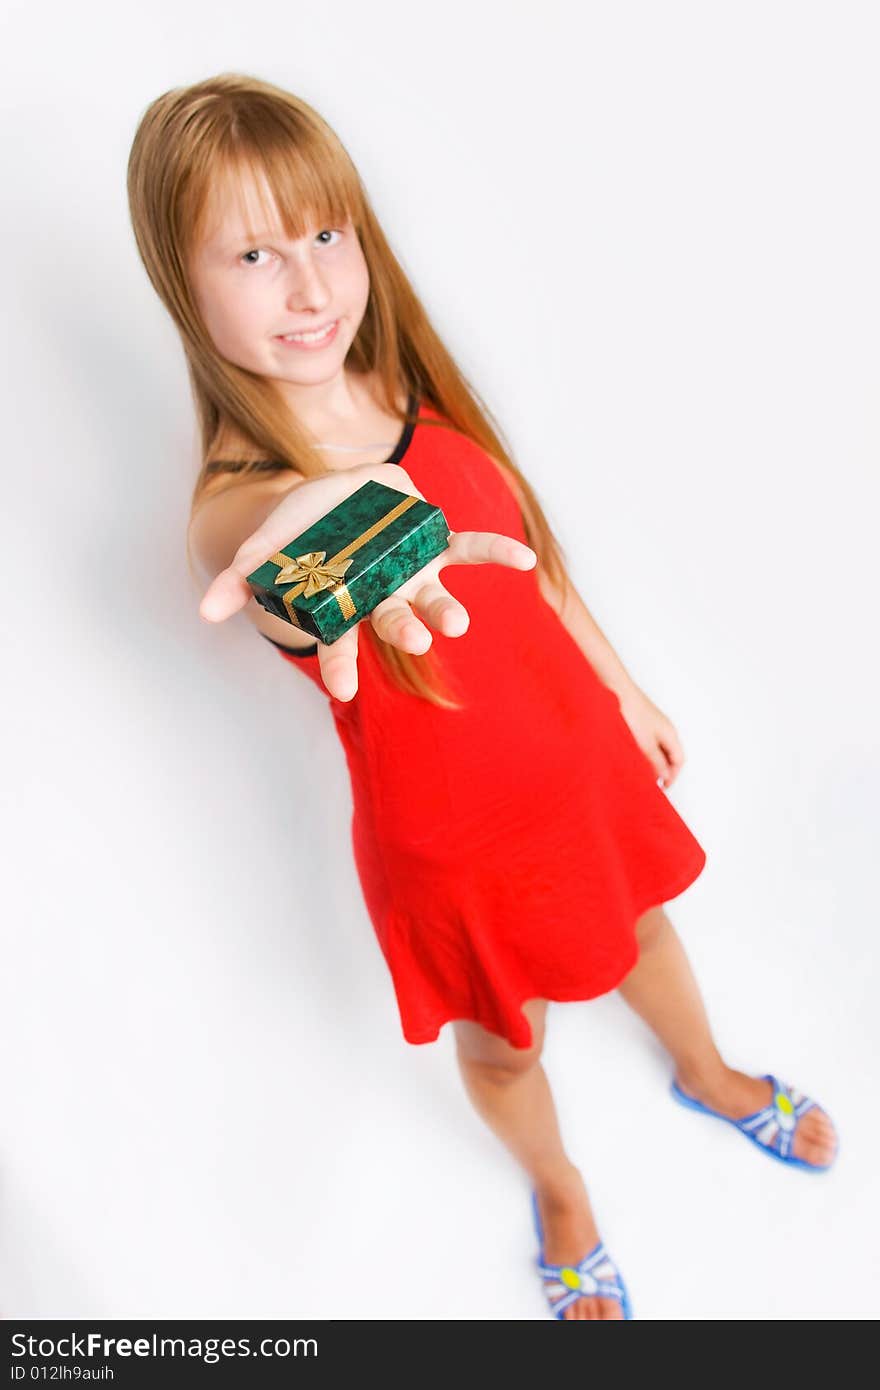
x: 511, y: 831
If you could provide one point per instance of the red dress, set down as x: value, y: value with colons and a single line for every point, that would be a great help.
x: 504, y: 850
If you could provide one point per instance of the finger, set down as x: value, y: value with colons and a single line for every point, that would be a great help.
x: 658, y: 762
x: 488, y: 547
x: 661, y: 765
x: 226, y: 594
x: 438, y: 607
x: 668, y: 774
x: 397, y: 624
x: 674, y: 754
x: 338, y: 664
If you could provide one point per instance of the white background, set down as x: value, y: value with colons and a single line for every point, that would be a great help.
x: 649, y: 234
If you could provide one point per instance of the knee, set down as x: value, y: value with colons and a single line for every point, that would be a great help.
x: 494, y: 1058
x: 501, y: 1071
x: 650, y: 928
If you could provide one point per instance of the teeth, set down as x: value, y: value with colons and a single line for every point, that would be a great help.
x: 308, y: 337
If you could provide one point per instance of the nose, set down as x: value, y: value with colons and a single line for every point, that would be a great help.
x: 306, y: 288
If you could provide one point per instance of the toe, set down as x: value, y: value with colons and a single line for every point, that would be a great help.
x: 815, y: 1139
x: 593, y: 1309
x: 610, y: 1308
x: 578, y: 1311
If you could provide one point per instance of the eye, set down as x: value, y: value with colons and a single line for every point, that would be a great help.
x: 325, y: 232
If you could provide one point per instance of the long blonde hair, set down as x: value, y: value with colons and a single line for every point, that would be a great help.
x: 234, y: 126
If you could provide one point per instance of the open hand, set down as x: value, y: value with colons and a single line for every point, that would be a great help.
x: 404, y: 618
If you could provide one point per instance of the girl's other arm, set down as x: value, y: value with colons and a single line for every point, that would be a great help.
x: 576, y: 617
x: 655, y: 734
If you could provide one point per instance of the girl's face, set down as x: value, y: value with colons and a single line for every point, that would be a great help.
x: 251, y: 292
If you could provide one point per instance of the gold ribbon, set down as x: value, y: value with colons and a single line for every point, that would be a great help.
x: 312, y: 572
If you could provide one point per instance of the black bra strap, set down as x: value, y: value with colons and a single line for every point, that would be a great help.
x: 301, y: 651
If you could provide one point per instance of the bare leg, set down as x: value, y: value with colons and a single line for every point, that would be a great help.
x: 662, y: 990
x: 509, y: 1090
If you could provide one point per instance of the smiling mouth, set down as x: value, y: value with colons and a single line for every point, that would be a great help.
x: 312, y: 335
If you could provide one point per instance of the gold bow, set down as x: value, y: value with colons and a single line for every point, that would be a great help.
x: 314, y: 571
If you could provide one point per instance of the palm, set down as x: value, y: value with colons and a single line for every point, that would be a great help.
x: 405, y: 618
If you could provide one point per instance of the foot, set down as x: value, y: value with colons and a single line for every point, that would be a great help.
x: 735, y: 1094
x: 570, y: 1233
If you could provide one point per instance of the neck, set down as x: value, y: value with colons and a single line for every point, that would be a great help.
x: 331, y: 407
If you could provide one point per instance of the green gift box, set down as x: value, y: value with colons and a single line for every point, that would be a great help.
x: 333, y: 574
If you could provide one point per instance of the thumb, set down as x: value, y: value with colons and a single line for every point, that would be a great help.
x: 229, y: 591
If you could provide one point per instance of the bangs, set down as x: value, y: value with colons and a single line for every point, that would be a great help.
x: 276, y: 178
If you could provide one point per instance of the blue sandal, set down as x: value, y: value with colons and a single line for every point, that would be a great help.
x: 772, y: 1127
x: 595, y: 1275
